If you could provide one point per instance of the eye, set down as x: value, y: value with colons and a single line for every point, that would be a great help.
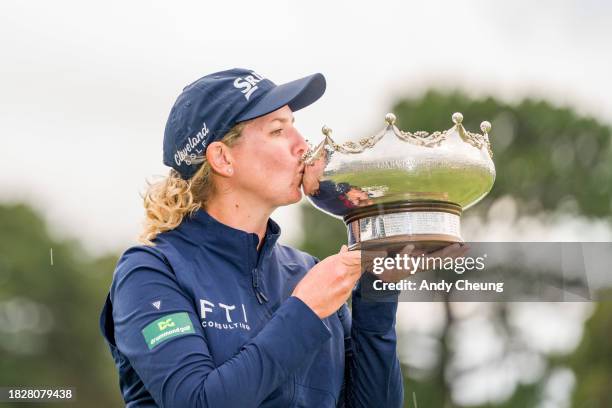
x: 277, y: 132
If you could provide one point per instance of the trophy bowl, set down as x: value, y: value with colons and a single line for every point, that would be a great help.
x: 399, y: 187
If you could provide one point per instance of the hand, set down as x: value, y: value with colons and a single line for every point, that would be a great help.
x: 327, y: 286
x: 313, y: 173
x: 358, y: 197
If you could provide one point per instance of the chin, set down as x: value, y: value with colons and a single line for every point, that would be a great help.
x: 294, y: 198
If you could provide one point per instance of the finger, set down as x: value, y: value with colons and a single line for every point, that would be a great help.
x: 450, y: 249
x: 462, y: 251
x: 352, y: 262
x: 310, y: 184
x: 456, y: 250
x: 441, y: 253
x: 346, y: 254
x: 356, y: 270
x: 408, y: 249
x: 351, y: 258
x: 369, y: 258
x: 419, y: 253
x: 370, y: 254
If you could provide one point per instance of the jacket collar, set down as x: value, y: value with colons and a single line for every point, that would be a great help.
x: 204, y: 230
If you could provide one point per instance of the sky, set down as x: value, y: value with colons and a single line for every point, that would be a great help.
x: 86, y: 87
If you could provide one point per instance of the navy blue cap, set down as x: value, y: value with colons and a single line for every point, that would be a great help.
x: 209, y: 107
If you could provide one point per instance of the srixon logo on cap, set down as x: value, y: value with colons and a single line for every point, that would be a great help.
x: 248, y: 84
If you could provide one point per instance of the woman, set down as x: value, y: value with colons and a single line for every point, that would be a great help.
x: 211, y: 311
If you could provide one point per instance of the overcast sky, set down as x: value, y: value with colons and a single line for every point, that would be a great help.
x: 86, y: 87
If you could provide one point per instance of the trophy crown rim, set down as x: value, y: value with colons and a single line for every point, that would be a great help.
x: 418, y: 138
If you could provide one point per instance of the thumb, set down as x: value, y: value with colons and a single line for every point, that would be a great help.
x: 408, y: 249
x: 343, y: 249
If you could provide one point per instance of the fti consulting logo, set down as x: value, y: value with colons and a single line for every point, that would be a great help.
x: 228, y: 318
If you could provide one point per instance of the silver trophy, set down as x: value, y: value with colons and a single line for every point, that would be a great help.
x: 398, y: 187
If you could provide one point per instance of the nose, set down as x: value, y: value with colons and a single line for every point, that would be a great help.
x: 300, y: 147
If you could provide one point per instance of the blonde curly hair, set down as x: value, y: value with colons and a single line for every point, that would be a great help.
x: 169, y: 200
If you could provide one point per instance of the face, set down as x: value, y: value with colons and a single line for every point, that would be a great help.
x: 267, y: 165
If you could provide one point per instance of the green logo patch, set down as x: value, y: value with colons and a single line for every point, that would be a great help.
x: 167, y: 327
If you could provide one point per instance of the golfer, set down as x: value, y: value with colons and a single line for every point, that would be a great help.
x: 211, y: 311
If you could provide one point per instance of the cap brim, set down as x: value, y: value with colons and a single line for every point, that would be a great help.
x: 297, y: 94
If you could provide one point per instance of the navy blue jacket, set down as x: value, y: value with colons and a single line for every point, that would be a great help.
x: 203, y: 319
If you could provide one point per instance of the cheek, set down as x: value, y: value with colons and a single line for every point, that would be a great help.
x: 264, y: 170
x: 267, y: 165
x: 275, y: 162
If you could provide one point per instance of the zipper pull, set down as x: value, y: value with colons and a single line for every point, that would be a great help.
x: 261, y: 298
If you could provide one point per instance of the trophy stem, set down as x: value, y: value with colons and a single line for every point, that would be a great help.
x: 429, y: 224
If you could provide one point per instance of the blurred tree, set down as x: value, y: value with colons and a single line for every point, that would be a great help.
x: 50, y: 298
x: 547, y: 159
x: 592, y: 361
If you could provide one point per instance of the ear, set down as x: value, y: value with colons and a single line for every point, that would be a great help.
x: 219, y: 156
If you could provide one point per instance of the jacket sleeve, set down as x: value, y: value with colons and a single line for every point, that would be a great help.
x: 373, y: 368
x: 168, y: 347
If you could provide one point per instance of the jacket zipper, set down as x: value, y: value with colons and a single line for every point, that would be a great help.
x: 261, y: 297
